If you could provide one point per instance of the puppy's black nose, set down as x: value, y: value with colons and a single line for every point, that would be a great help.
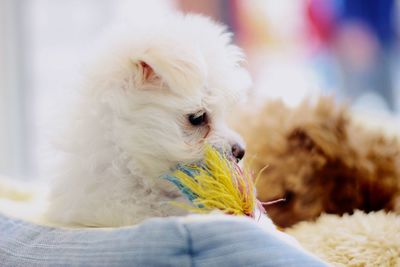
x: 238, y: 151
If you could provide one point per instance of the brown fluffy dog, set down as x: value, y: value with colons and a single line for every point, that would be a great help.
x: 319, y: 161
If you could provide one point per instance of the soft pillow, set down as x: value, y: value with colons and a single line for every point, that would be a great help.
x: 210, y: 241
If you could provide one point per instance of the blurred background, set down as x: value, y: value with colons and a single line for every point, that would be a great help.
x: 295, y: 48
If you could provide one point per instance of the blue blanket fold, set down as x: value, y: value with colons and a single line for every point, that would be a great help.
x: 156, y: 242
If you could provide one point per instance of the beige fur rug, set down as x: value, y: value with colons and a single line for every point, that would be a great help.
x: 353, y: 240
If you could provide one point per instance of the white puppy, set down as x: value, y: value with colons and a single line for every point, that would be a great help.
x: 154, y: 96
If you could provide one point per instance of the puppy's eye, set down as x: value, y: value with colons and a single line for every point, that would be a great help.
x: 198, y: 119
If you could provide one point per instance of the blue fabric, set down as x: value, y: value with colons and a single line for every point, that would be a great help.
x: 378, y: 15
x: 156, y: 242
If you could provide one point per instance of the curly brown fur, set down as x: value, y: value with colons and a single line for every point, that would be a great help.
x: 319, y: 161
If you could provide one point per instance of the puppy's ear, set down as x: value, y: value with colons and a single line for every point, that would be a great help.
x: 167, y: 68
x: 145, y: 76
x: 147, y: 71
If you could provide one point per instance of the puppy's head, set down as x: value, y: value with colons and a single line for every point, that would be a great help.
x: 168, y: 88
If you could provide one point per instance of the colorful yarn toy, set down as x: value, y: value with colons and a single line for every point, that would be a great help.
x: 216, y: 182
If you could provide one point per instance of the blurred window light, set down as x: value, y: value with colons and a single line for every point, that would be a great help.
x: 13, y: 91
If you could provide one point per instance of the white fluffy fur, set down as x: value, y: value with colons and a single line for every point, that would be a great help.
x: 131, y: 124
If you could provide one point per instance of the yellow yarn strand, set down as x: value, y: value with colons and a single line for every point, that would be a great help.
x: 221, y: 185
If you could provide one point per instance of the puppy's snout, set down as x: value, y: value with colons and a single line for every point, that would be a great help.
x: 238, y: 151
